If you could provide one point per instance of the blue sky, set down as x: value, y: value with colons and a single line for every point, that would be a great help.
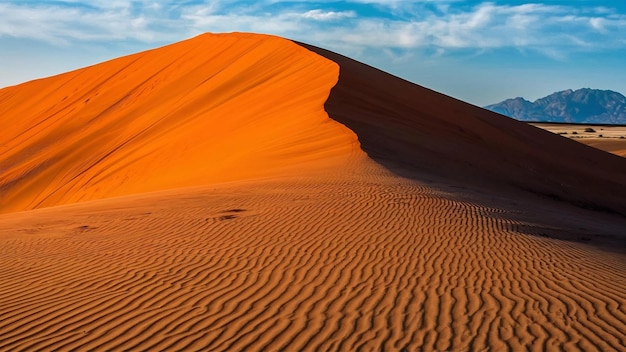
x: 478, y: 51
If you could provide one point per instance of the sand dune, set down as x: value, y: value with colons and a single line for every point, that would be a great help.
x: 301, y: 241
x: 215, y: 108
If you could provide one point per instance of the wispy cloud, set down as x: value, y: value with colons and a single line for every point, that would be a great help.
x: 438, y: 25
x: 64, y: 24
x: 321, y: 15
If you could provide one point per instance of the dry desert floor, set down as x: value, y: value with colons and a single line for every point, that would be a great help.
x: 355, y: 259
x: 609, y: 138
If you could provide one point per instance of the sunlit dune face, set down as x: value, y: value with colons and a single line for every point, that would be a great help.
x: 210, y: 109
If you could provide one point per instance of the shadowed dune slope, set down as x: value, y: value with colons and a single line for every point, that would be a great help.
x: 414, y: 130
x: 212, y: 108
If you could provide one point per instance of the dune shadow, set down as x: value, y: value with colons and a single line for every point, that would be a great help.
x: 423, y: 135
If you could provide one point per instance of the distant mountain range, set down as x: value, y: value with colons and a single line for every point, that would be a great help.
x: 574, y: 106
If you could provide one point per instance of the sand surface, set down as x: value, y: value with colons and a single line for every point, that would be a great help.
x: 616, y: 146
x: 608, y: 138
x: 354, y: 259
x: 347, y: 233
x: 217, y: 108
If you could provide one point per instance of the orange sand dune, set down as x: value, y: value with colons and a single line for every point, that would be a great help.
x: 209, y: 109
x: 270, y: 229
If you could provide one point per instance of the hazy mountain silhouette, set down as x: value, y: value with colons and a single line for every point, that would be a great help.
x: 579, y: 106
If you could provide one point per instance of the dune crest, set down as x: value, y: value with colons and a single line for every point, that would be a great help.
x: 209, y: 109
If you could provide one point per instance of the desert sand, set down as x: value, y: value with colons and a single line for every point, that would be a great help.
x: 191, y: 113
x: 245, y: 192
x: 610, y: 138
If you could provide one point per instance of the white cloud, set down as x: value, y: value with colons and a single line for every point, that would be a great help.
x: 554, y: 30
x: 62, y: 25
x: 321, y: 15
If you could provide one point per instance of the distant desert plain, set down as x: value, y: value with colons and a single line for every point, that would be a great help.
x: 611, y: 138
x: 244, y: 192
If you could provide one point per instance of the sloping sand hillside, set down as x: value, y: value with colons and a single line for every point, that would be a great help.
x: 246, y: 216
x: 214, y: 108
